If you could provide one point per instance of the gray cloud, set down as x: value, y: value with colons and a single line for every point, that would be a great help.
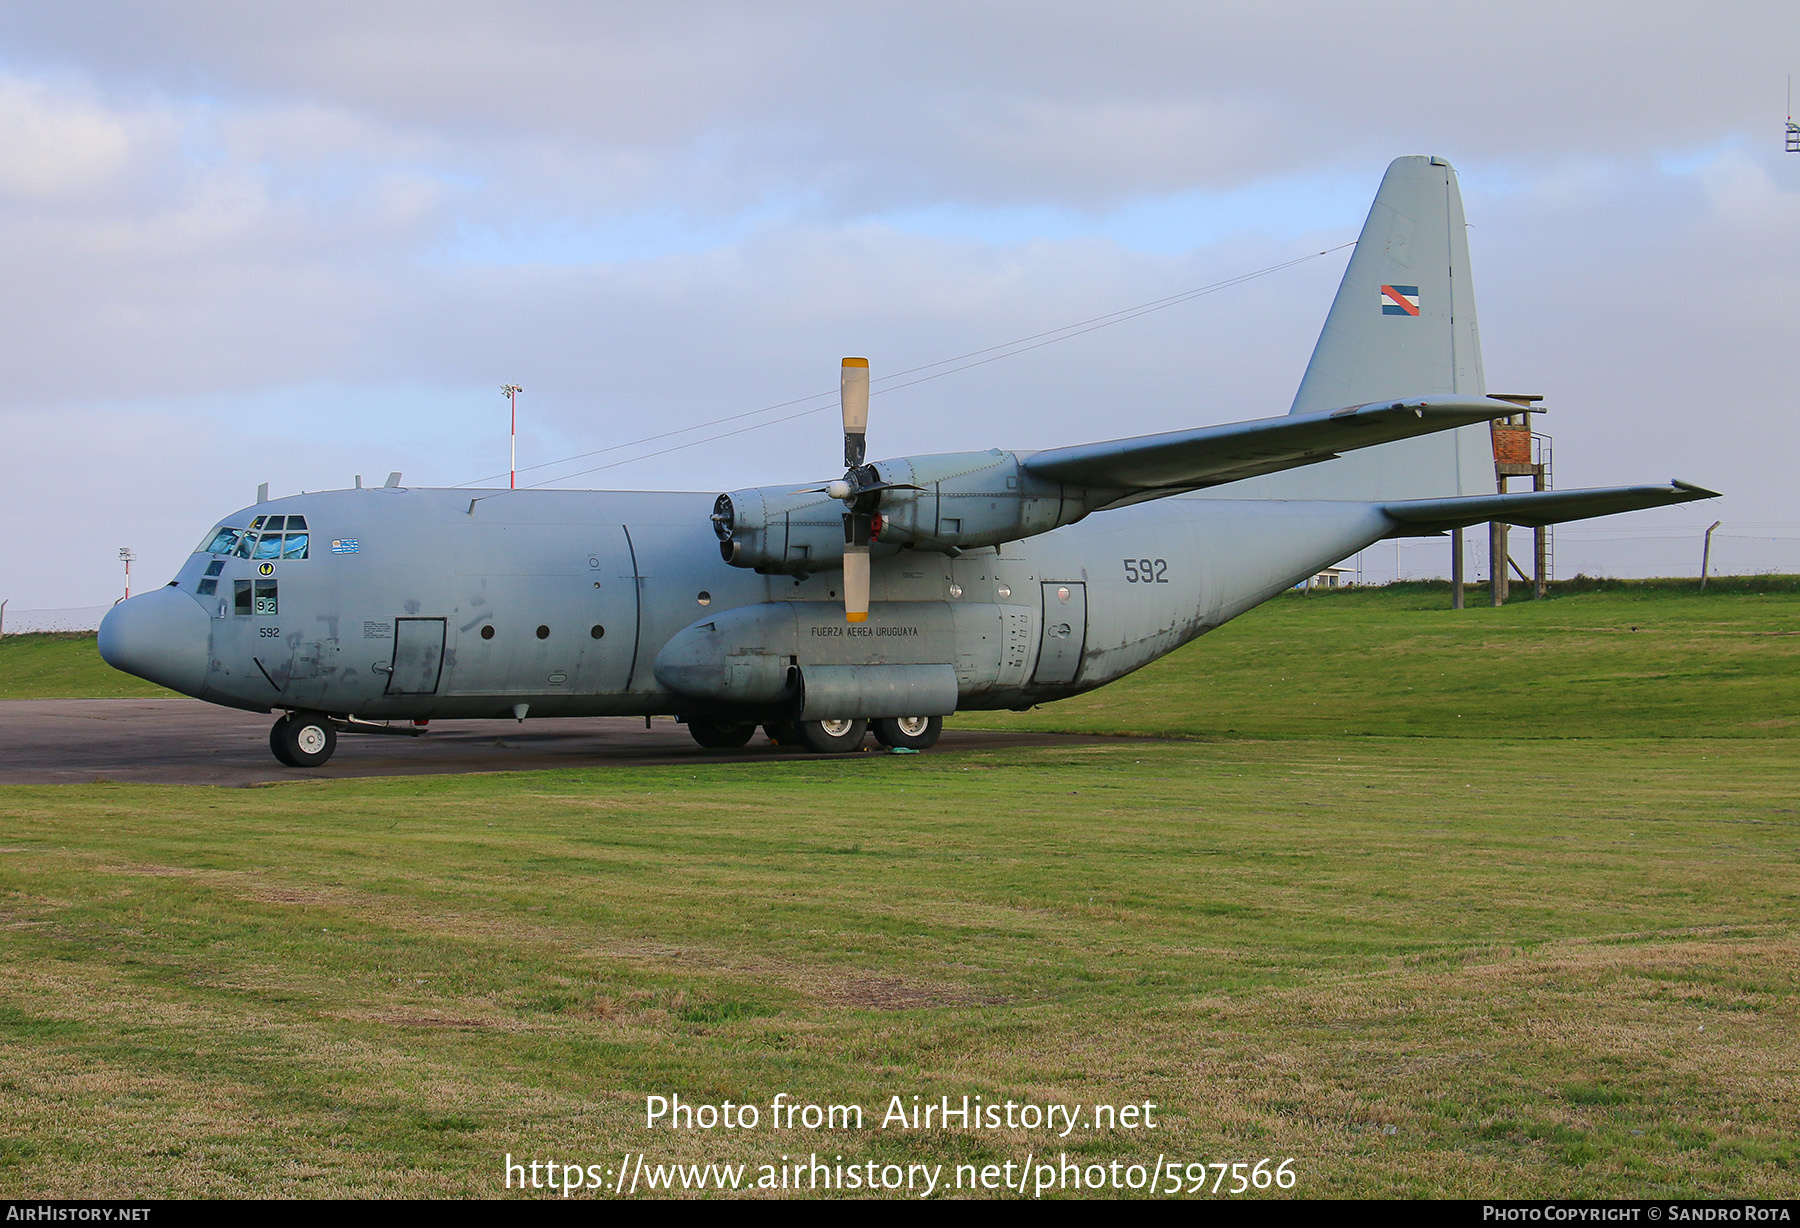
x: 249, y: 242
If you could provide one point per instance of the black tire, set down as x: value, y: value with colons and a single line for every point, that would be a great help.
x: 303, y: 739
x: 909, y: 732
x: 832, y: 737
x: 278, y: 742
x: 719, y: 735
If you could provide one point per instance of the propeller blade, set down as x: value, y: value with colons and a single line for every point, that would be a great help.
x: 856, y: 583
x: 854, y: 389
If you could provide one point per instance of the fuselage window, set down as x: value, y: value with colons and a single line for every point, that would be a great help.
x: 207, y: 587
x: 240, y: 596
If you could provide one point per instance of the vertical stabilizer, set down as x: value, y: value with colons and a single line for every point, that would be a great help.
x: 1403, y: 322
x: 1402, y: 325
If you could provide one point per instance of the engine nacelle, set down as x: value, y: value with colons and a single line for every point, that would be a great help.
x: 963, y: 500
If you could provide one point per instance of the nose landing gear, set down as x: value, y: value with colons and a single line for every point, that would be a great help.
x: 303, y: 739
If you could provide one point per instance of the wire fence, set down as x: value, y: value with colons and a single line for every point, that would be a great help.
x: 72, y: 618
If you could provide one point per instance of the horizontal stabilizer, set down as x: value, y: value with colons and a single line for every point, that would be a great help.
x: 1418, y: 517
x: 1214, y: 455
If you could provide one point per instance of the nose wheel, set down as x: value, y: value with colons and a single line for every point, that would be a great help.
x: 303, y: 739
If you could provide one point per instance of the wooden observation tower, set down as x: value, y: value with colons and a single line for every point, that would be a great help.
x: 1519, y: 452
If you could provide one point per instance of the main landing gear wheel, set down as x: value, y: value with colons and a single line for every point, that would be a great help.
x: 909, y: 732
x: 303, y: 739
x: 719, y: 735
x: 832, y: 737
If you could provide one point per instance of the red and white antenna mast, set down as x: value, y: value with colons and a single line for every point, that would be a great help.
x: 512, y: 392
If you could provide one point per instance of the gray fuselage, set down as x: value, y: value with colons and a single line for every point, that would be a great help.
x: 428, y: 604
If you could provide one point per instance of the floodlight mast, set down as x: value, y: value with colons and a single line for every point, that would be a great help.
x: 1793, y: 129
x: 512, y: 392
x: 126, y: 557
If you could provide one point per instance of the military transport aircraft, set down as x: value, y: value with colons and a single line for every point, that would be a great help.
x: 903, y: 592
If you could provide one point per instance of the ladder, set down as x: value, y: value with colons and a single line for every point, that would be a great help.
x: 1546, y: 458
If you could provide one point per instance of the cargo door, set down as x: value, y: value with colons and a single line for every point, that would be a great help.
x: 1065, y: 632
x: 418, y: 656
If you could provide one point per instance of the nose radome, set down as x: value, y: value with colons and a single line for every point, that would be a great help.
x: 162, y: 635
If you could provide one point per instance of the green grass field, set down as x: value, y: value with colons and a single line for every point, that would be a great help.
x: 64, y: 665
x: 1499, y: 903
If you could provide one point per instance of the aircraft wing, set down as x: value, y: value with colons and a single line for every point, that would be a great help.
x: 1213, y: 455
x: 1421, y: 517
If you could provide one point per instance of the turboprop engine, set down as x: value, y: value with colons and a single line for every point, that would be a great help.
x: 948, y: 502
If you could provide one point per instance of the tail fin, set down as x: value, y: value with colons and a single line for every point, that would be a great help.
x: 1402, y: 325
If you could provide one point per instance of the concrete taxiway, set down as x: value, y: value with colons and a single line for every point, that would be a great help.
x: 184, y: 741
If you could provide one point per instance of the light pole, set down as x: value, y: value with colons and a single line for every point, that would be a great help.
x: 512, y: 392
x: 1706, y: 552
x: 125, y: 557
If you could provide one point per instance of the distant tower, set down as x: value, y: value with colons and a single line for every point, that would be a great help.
x: 1793, y: 129
x: 511, y: 392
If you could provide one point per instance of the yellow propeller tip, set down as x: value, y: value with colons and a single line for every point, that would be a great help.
x: 856, y: 362
x: 855, y: 618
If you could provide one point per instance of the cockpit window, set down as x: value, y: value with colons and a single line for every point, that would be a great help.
x: 222, y: 541
x: 264, y: 539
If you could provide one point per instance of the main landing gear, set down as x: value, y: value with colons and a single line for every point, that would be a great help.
x: 719, y: 735
x: 303, y: 739
x: 823, y: 737
x: 909, y: 732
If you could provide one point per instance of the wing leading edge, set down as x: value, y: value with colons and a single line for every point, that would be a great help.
x: 1423, y: 517
x: 1213, y: 455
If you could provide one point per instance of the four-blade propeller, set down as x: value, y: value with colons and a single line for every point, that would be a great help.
x: 859, y: 489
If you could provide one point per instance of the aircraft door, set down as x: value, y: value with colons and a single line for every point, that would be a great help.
x: 1065, y: 631
x: 418, y: 656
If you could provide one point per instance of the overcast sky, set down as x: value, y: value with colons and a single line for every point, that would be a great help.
x: 246, y: 243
